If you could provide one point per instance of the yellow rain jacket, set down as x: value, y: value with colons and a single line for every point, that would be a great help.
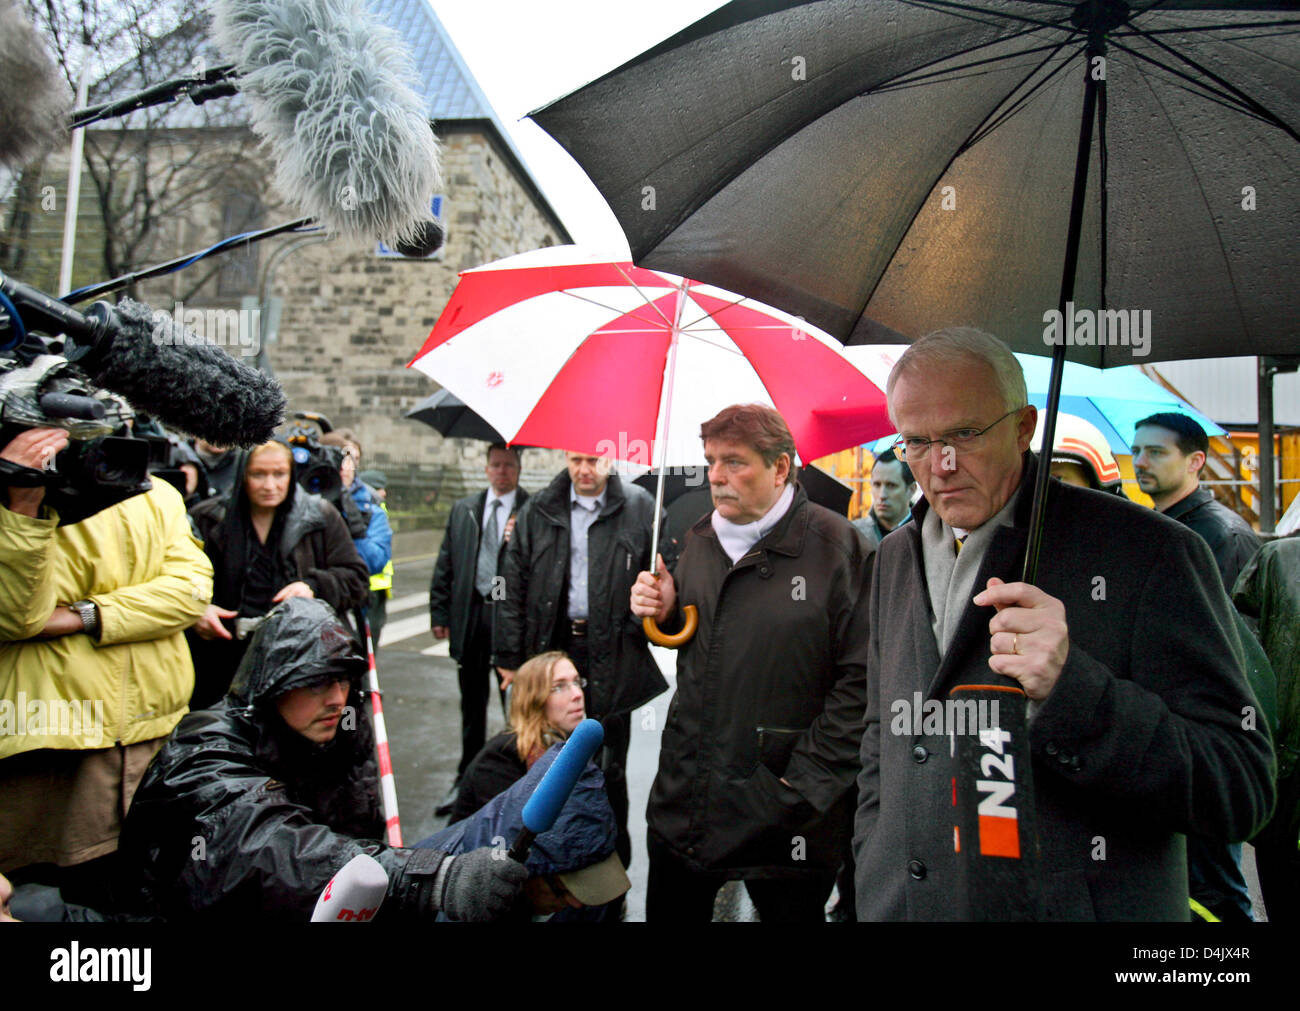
x: 139, y: 562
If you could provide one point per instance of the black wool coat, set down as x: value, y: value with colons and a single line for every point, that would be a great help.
x: 1140, y: 741
x: 772, y: 685
x: 451, y: 591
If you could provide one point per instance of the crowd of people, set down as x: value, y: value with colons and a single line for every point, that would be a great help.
x: 219, y: 627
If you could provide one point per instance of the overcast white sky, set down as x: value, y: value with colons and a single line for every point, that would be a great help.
x: 525, y: 53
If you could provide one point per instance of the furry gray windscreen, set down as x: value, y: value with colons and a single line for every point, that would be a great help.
x: 333, y: 94
x: 182, y: 380
x: 36, y: 99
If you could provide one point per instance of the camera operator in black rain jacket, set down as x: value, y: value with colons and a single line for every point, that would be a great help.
x: 251, y: 807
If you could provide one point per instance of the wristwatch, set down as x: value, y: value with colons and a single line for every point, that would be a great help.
x: 89, y: 613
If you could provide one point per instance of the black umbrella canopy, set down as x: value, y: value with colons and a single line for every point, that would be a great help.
x: 912, y: 164
x: 448, y: 414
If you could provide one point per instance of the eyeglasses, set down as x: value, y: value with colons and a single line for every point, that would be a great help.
x: 963, y: 440
x: 568, y: 686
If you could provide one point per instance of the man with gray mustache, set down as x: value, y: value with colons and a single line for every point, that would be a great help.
x: 759, y: 752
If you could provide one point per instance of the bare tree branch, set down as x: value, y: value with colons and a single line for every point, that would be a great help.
x: 160, y: 176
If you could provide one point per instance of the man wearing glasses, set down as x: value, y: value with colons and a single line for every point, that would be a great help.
x: 1138, y: 704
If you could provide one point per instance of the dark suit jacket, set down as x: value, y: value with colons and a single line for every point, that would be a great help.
x: 451, y: 593
x: 1140, y: 741
x: 772, y: 686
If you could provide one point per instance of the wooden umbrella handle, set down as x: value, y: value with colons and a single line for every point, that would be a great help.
x: 690, y: 619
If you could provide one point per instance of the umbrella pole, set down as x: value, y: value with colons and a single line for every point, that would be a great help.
x: 1073, y: 238
x: 665, y: 415
x: 1000, y: 888
x: 689, y: 613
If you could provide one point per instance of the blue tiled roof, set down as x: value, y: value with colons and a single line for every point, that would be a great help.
x: 449, y: 87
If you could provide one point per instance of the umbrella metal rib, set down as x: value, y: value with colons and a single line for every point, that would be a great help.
x: 1236, y: 98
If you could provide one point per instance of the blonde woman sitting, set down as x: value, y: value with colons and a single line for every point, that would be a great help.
x: 545, y: 706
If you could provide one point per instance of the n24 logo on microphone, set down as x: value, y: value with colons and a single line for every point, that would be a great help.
x: 999, y: 829
x: 345, y: 914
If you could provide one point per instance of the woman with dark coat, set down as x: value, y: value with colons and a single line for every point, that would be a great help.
x: 268, y: 540
x: 546, y: 703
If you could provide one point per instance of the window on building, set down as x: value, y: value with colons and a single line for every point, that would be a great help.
x: 240, y: 212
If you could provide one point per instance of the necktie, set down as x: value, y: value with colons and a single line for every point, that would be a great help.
x: 487, y: 552
x: 959, y: 541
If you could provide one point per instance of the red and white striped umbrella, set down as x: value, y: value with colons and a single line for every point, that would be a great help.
x: 558, y: 348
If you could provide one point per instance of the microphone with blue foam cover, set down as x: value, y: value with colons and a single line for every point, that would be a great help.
x: 544, y: 806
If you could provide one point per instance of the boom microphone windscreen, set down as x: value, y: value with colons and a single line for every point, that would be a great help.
x: 159, y: 366
x: 173, y: 375
x: 428, y: 240
x: 34, y: 113
x: 331, y: 93
x: 354, y: 894
x: 544, y: 805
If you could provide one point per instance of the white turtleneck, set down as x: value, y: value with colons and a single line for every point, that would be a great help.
x: 737, y: 538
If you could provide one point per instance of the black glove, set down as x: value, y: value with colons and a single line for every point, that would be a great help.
x: 481, y: 885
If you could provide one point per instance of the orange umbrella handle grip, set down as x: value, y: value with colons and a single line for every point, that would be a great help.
x: 690, y: 619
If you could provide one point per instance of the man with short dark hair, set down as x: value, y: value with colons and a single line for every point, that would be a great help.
x: 218, y: 466
x: 1124, y: 646
x: 568, y: 569
x: 465, y: 589
x: 760, y: 748
x: 1169, y: 450
x: 892, y: 488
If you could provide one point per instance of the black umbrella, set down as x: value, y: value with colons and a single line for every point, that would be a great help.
x: 447, y: 413
x: 1081, y: 175
x: 929, y: 163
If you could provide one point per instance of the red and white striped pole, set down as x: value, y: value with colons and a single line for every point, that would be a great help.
x: 387, y: 785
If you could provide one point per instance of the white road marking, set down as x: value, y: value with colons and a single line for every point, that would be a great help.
x: 407, y: 602
x: 404, y: 628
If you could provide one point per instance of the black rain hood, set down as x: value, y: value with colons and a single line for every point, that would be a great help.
x: 301, y: 642
x: 275, y: 813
